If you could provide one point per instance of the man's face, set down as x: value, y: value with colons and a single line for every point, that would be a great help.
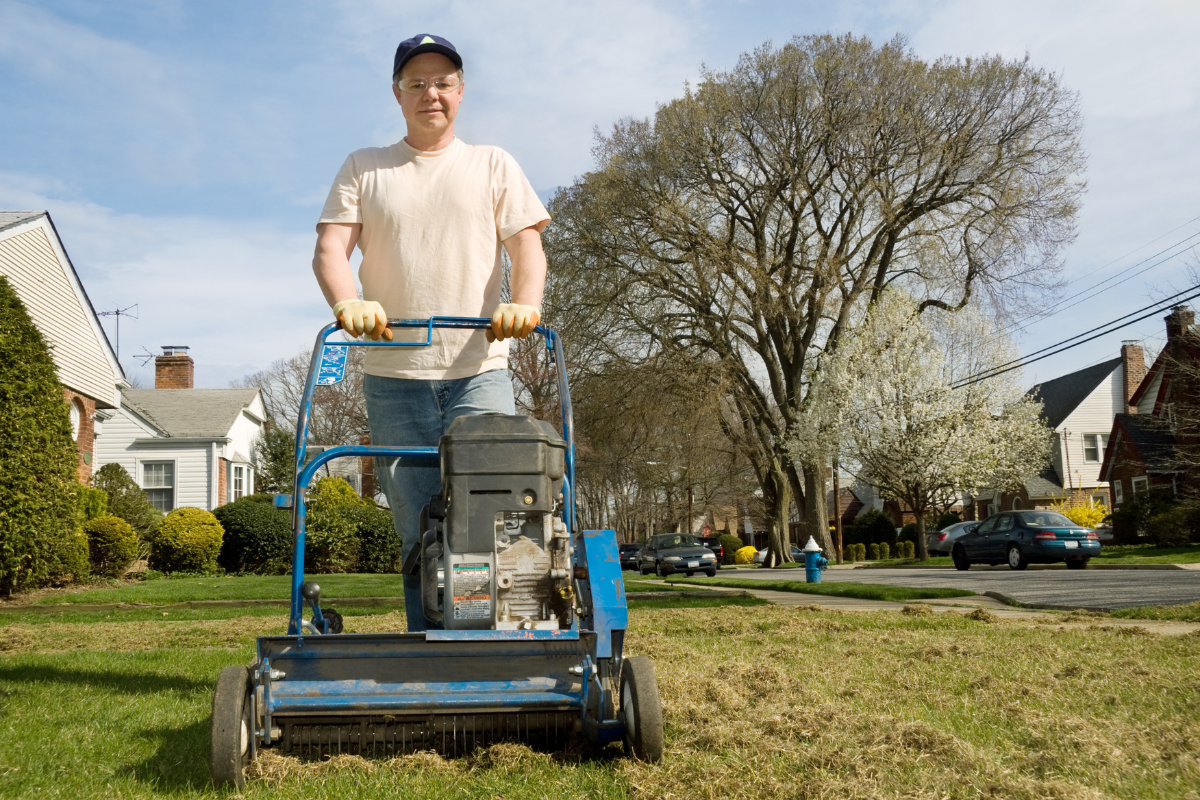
x: 429, y: 112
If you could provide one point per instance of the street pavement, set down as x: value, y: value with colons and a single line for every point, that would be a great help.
x: 1090, y: 589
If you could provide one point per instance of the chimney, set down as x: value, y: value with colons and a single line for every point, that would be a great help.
x: 1133, y: 365
x: 1179, y: 321
x: 174, y: 369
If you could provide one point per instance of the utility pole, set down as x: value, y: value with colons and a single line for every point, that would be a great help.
x: 837, y: 509
x: 118, y: 313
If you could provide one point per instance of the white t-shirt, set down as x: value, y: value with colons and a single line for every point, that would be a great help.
x: 432, y: 224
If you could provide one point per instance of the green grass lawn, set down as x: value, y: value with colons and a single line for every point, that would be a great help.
x: 1148, y: 554
x: 863, y: 591
x: 759, y: 702
x: 1187, y: 612
x: 230, y: 587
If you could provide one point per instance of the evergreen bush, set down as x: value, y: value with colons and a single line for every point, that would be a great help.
x: 89, y: 503
x: 1175, y: 527
x: 731, y: 544
x: 873, y: 551
x: 378, y: 543
x: 1131, y: 522
x: 910, y: 549
x: 947, y: 519
x: 126, y: 499
x: 112, y: 545
x: 871, y: 527
x: 258, y: 537
x: 908, y: 533
x: 330, y: 539
x: 885, y: 552
x: 72, y: 559
x: 187, y: 540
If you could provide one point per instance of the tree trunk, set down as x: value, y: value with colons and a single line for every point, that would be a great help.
x: 817, y: 518
x: 922, y: 550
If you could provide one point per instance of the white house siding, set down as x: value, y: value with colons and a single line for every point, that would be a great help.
x: 1094, y: 415
x: 1146, y: 405
x: 192, y: 468
x: 243, y: 433
x: 48, y: 288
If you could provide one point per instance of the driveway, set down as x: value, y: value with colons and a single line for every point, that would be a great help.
x: 1096, y: 589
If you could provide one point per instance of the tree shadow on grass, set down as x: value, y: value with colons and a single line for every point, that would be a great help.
x: 121, y: 681
x: 180, y: 762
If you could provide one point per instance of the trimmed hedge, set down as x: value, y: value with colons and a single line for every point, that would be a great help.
x: 72, y: 559
x: 872, y: 527
x: 187, y: 540
x: 731, y: 544
x: 90, y: 503
x: 330, y: 538
x: 258, y: 537
x: 378, y: 543
x: 112, y: 545
x: 126, y: 499
x: 38, y: 459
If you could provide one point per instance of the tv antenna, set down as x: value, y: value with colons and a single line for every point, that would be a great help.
x: 118, y: 313
x: 145, y: 357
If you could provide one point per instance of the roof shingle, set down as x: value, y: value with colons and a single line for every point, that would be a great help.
x: 184, y: 413
x: 1061, y: 396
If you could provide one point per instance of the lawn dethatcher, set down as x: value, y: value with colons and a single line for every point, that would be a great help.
x: 527, y: 612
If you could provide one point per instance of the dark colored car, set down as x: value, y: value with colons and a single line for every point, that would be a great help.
x: 629, y: 555
x: 1026, y: 537
x: 671, y: 553
x: 713, y: 543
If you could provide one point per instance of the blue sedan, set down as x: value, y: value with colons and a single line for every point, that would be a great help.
x: 1026, y: 537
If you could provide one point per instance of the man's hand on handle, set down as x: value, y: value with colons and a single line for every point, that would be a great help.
x: 512, y: 320
x: 360, y: 317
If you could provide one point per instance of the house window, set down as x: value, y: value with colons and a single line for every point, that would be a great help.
x: 239, y: 482
x: 1016, y: 504
x: 158, y: 482
x: 1141, y: 485
x: 76, y: 418
x: 1100, y: 500
x: 1171, y: 418
x: 1118, y: 498
x: 1093, y: 447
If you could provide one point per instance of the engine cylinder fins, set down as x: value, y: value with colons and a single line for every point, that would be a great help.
x: 449, y: 735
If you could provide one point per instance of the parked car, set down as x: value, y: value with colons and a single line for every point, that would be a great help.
x: 939, y: 543
x: 670, y: 553
x: 1026, y: 537
x: 713, y: 543
x: 629, y: 555
x: 797, y: 555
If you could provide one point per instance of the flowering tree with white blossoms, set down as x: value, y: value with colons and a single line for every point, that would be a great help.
x: 900, y: 407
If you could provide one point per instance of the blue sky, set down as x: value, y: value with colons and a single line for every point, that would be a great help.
x: 184, y: 149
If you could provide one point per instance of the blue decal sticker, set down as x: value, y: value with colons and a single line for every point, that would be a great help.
x: 333, y: 364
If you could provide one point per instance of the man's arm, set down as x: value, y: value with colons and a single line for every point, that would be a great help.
x: 527, y: 280
x: 331, y: 265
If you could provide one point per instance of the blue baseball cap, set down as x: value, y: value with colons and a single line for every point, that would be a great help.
x: 424, y: 43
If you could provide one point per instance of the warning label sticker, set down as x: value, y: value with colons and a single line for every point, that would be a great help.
x: 472, y: 591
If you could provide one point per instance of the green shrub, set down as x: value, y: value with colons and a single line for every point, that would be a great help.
x: 187, y: 540
x: 126, y: 499
x: 378, y: 543
x: 908, y: 533
x: 885, y: 552
x: 258, y: 537
x: 731, y: 544
x: 947, y: 519
x: 873, y: 551
x: 38, y: 459
x: 910, y: 549
x: 1131, y: 522
x: 275, y: 450
x: 89, y: 503
x: 112, y: 545
x: 71, y: 558
x: 1175, y: 527
x: 872, y: 527
x: 330, y: 538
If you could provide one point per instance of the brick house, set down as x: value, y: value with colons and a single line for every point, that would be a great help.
x: 36, y: 264
x: 1142, y: 453
x: 184, y: 446
x: 1079, y: 407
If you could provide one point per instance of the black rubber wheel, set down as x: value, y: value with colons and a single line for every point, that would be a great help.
x: 643, y: 570
x: 1016, y: 559
x: 660, y: 572
x: 232, y: 746
x: 960, y: 559
x: 641, y: 707
x: 333, y: 618
x: 712, y: 573
x: 1077, y: 563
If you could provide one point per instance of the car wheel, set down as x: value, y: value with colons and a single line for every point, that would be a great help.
x: 712, y: 573
x: 661, y: 572
x: 1015, y: 558
x: 960, y: 559
x: 643, y: 570
x: 1077, y: 563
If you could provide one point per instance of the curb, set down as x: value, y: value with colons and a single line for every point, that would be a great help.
x: 1003, y: 598
x: 1039, y: 567
x: 672, y: 593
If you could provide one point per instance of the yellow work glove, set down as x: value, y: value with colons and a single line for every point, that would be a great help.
x: 363, y: 316
x: 512, y: 320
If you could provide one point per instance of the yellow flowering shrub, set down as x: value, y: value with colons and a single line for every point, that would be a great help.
x: 745, y: 555
x: 1087, y: 516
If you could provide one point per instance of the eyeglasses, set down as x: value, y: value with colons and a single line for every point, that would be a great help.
x: 443, y: 85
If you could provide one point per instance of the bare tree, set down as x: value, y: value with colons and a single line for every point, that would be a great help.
x: 752, y: 220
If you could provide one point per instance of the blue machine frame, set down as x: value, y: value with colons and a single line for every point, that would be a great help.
x: 357, y: 685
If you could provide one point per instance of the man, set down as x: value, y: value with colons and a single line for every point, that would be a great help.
x: 430, y: 214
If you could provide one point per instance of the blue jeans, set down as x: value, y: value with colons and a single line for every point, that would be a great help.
x: 415, y: 413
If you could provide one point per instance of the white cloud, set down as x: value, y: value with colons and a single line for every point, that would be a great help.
x: 239, y: 294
